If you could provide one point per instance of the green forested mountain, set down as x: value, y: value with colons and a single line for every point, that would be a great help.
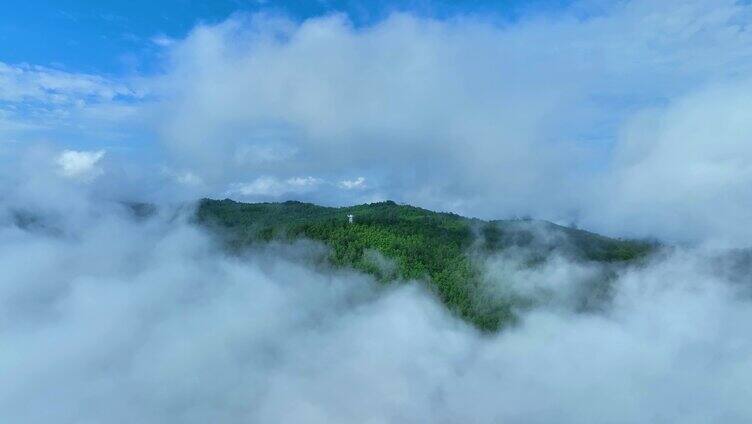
x: 396, y: 242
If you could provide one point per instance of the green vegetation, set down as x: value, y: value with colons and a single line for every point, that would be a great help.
x: 420, y: 244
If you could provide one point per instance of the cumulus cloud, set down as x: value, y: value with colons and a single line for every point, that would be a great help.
x: 81, y: 165
x: 460, y: 114
x: 463, y: 114
x: 685, y: 167
x: 357, y: 183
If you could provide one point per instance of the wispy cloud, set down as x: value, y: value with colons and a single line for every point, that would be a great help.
x: 162, y: 40
x: 25, y: 83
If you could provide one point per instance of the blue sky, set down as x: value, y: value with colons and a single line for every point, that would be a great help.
x: 114, y: 37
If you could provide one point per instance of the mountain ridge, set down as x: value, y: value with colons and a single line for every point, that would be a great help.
x: 440, y: 249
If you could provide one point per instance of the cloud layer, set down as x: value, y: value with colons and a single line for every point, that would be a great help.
x: 124, y: 320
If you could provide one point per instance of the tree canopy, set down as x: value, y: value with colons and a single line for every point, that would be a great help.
x: 423, y: 245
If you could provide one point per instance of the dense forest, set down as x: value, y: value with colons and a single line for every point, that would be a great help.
x: 396, y: 242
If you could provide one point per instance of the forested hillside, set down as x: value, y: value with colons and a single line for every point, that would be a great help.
x: 396, y: 242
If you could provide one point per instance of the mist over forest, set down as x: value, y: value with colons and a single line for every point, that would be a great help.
x: 413, y: 212
x: 114, y: 315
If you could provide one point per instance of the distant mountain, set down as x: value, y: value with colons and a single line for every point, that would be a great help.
x: 397, y: 242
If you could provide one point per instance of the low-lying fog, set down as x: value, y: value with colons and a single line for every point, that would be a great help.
x: 107, y: 318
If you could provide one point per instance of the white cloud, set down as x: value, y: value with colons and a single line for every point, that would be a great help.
x: 303, y: 182
x: 39, y: 103
x: 457, y: 114
x: 270, y: 186
x: 162, y: 327
x: 185, y: 177
x: 80, y: 164
x: 540, y: 116
x: 189, y: 178
x: 685, y: 170
x: 24, y: 83
x: 357, y: 183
